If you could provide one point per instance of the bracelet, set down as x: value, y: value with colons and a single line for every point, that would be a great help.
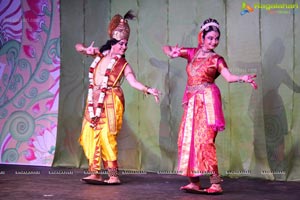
x: 241, y: 80
x: 145, y: 90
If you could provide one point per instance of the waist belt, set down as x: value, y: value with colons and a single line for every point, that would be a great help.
x: 200, y: 87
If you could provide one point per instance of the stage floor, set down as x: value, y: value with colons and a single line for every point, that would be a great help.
x: 31, y: 182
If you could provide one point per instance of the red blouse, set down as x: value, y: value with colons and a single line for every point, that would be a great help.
x: 202, y: 70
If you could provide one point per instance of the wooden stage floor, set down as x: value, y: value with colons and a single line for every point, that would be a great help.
x: 32, y: 182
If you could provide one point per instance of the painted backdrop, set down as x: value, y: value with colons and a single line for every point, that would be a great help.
x: 29, y: 80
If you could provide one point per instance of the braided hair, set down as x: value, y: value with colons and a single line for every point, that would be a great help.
x: 108, y: 44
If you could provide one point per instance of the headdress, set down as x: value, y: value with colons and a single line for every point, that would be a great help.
x: 209, y: 24
x: 118, y: 27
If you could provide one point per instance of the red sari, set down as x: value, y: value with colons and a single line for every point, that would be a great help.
x: 202, y: 117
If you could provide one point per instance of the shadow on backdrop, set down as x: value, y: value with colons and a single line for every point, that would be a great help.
x: 269, y: 113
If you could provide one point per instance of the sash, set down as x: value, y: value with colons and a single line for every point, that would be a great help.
x: 213, y: 105
x: 110, y: 102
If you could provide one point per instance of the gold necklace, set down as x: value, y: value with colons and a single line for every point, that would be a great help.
x: 204, y: 53
x: 194, y: 69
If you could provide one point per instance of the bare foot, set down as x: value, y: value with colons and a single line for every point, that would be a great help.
x: 214, y: 189
x: 113, y: 180
x: 191, y: 186
x: 96, y: 177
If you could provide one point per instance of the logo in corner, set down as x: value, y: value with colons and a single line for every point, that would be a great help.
x: 246, y: 8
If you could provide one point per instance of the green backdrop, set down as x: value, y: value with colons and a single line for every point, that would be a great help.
x: 262, y: 134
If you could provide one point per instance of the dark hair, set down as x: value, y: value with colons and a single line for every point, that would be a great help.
x: 210, y: 28
x: 108, y: 44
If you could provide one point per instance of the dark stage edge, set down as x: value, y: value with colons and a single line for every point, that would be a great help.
x: 31, y: 182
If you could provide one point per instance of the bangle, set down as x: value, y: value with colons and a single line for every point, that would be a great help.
x: 241, y: 80
x: 145, y: 90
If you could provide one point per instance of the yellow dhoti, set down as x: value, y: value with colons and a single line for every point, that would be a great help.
x: 101, y: 144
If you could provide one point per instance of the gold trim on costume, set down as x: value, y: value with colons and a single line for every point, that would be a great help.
x: 210, y: 110
x: 186, y: 143
x: 120, y: 73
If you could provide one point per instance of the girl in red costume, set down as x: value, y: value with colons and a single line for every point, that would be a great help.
x: 203, y: 116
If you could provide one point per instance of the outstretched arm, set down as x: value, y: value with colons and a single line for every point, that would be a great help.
x: 229, y: 77
x: 130, y: 77
x: 172, y: 51
x: 90, y: 50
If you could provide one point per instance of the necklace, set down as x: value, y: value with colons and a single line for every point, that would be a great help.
x: 194, y: 69
x: 94, y: 116
x: 205, y: 51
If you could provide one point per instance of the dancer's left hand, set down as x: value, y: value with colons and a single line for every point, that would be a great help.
x: 250, y: 79
x: 155, y: 92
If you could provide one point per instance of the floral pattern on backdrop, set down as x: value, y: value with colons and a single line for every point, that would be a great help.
x: 29, y: 80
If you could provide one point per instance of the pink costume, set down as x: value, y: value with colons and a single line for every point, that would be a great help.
x: 203, y: 115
